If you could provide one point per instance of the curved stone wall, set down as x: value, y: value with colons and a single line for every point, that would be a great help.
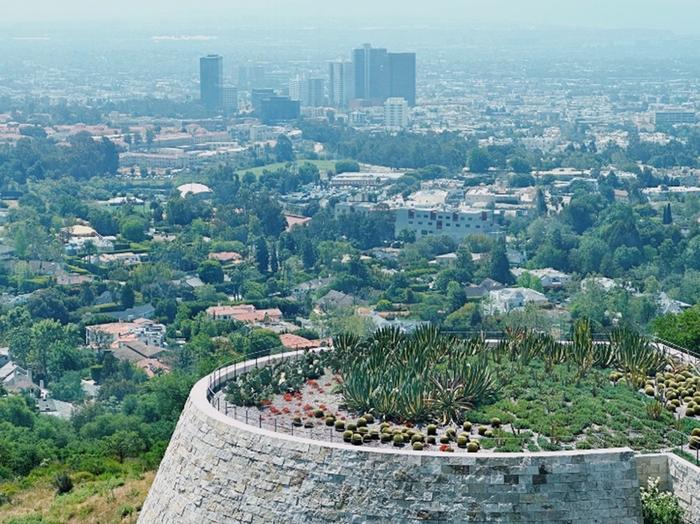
x: 218, y: 470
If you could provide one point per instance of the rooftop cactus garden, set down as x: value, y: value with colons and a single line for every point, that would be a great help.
x: 426, y: 390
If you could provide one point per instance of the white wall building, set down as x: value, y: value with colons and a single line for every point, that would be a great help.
x: 396, y: 113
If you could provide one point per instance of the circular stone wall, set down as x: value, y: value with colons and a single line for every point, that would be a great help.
x: 219, y: 470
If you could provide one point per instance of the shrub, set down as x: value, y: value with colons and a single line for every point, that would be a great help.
x: 654, y: 410
x: 63, y: 483
x: 660, y: 507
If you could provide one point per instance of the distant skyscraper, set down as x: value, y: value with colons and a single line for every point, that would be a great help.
x: 379, y: 75
x: 230, y: 100
x: 258, y: 95
x: 340, y: 83
x: 251, y: 76
x: 211, y: 81
x: 402, y: 76
x: 309, y: 91
x: 371, y: 73
x: 395, y: 113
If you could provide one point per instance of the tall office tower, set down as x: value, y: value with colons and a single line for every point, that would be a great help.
x: 371, y: 74
x: 211, y: 81
x: 258, y: 95
x: 251, y: 76
x: 395, y: 113
x: 402, y: 76
x: 295, y: 88
x: 340, y: 83
x: 230, y: 100
x: 313, y: 92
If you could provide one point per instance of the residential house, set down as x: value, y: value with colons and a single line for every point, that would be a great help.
x: 484, y: 288
x: 548, y: 277
x: 246, y: 313
x: 114, y: 334
x: 512, y: 298
x: 226, y: 257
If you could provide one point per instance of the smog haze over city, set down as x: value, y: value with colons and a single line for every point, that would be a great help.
x: 369, y: 261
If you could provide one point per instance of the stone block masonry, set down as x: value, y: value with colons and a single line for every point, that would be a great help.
x: 676, y: 475
x: 219, y: 470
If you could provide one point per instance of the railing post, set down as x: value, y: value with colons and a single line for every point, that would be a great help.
x: 260, y: 420
x: 246, y: 415
x: 275, y: 425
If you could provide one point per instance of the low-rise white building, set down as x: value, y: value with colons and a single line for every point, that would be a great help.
x: 512, y: 298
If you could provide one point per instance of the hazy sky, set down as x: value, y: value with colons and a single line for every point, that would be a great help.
x: 681, y: 16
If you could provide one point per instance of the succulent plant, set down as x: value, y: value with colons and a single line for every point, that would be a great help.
x: 351, y: 426
x: 363, y: 430
x: 417, y: 446
x: 417, y: 437
x: 690, y: 412
x: 374, y: 434
x: 695, y: 432
x: 296, y: 421
x: 330, y: 421
x: 444, y: 439
x: 398, y: 440
x: 431, y: 429
x: 308, y: 424
x: 369, y: 418
x: 366, y: 437
x: 431, y: 440
x: 482, y: 430
x: 473, y: 447
x: 318, y: 413
x: 467, y: 426
x: 649, y: 390
x: 694, y: 442
x: 347, y: 436
x: 488, y: 433
x: 496, y: 422
x: 361, y: 422
x: 451, y: 432
x: 385, y: 437
x: 339, y: 425
x: 357, y: 439
x: 462, y: 441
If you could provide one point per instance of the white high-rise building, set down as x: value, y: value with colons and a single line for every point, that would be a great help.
x: 340, y: 83
x: 396, y: 113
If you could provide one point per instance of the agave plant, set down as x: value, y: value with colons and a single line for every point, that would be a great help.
x: 582, y: 350
x: 635, y: 356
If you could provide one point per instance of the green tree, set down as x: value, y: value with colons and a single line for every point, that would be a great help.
x: 262, y: 255
x: 499, y: 267
x: 133, y: 228
x: 284, y: 151
x: 127, y: 297
x: 211, y: 272
x: 479, y: 161
x: 123, y: 444
x: 668, y: 217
